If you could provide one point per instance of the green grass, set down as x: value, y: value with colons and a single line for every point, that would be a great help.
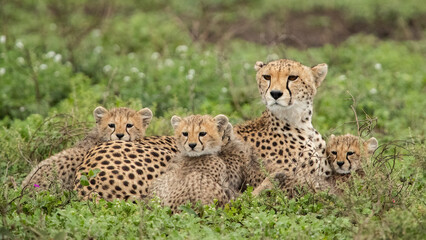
x: 59, y: 60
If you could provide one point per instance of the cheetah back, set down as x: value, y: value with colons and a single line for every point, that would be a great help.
x: 126, y: 168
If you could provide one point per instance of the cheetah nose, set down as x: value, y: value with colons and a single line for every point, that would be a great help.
x: 119, y: 135
x: 340, y: 163
x: 276, y: 94
x: 192, y: 145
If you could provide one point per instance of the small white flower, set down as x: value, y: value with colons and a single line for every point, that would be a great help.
x: 342, y: 77
x: 272, y: 56
x: 224, y: 90
x: 155, y: 55
x: 22, y: 108
x: 373, y: 91
x: 134, y: 70
x: 141, y: 75
x: 2, y: 39
x: 169, y: 62
x: 98, y: 49
x: 247, y: 66
x: 181, y: 68
x: 181, y: 48
x: 19, y: 44
x: 2, y: 71
x: 96, y: 33
x: 131, y: 55
x: 378, y: 66
x: 107, y: 68
x: 58, y: 58
x: 190, y: 75
x: 126, y: 78
x: 20, y: 60
x: 43, y: 66
x: 50, y: 54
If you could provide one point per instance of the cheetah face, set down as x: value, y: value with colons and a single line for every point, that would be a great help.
x: 122, y: 123
x: 198, y: 135
x: 284, y: 83
x: 345, y: 153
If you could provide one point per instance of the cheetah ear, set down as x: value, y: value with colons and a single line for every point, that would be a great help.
x: 372, y: 144
x: 258, y: 65
x: 229, y: 132
x: 175, y: 121
x: 319, y: 71
x: 221, y: 122
x: 98, y: 113
x: 146, y: 114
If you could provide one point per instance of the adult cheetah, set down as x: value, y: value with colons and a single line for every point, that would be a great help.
x: 117, y: 123
x: 284, y: 136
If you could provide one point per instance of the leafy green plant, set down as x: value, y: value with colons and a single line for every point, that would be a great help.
x: 84, y: 179
x: 60, y: 60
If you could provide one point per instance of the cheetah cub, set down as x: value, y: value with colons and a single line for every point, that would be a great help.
x: 197, y: 173
x: 345, y: 153
x: 118, y: 123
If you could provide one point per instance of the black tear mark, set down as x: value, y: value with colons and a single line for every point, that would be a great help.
x: 130, y: 137
x: 288, y: 89
x: 350, y: 164
x: 202, y: 144
x: 269, y: 85
x: 110, y: 137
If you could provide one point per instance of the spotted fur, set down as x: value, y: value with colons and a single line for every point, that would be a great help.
x: 197, y: 173
x: 283, y: 136
x: 346, y: 153
x: 126, y: 168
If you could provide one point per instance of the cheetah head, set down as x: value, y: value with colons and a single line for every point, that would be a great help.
x: 121, y: 123
x: 198, y: 135
x: 345, y: 153
x: 286, y: 84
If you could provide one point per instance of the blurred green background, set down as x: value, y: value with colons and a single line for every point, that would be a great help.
x: 61, y: 59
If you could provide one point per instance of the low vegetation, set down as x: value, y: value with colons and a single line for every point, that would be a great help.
x: 61, y: 59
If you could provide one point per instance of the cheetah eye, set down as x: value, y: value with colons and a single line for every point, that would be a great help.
x: 202, y: 134
x: 111, y: 125
x: 350, y: 153
x: 334, y: 152
x: 267, y: 77
x: 292, y: 77
x: 185, y: 134
x: 129, y: 125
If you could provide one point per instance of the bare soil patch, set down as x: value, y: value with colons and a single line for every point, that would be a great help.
x: 302, y: 29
